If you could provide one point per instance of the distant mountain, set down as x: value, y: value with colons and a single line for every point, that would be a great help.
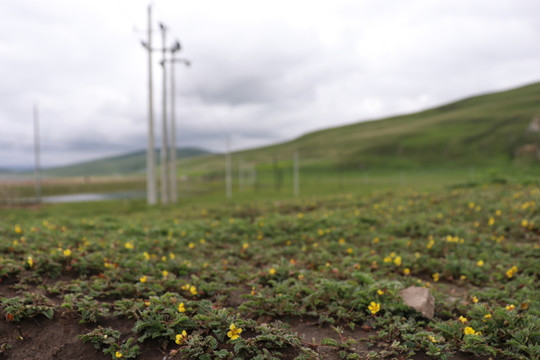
x: 487, y: 130
x: 127, y: 164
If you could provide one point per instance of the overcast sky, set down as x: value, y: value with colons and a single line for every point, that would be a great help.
x: 263, y: 71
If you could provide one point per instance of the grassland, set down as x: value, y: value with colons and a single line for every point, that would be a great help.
x: 438, y: 199
x: 482, y: 131
x: 131, y: 164
x: 313, y: 278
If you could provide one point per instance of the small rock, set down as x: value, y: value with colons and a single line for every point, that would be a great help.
x: 420, y: 299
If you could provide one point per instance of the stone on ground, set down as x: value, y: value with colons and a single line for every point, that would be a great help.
x: 420, y: 299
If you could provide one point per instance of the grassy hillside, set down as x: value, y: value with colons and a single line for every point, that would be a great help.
x: 486, y: 130
x: 128, y: 164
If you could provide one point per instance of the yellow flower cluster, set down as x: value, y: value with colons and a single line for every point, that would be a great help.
x: 181, y: 308
x: 192, y: 289
x: 511, y: 272
x: 393, y: 258
x: 470, y: 331
x: 180, y: 338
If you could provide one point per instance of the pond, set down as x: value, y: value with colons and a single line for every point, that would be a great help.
x: 70, y: 198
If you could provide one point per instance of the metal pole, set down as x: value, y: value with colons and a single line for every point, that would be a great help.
x: 164, y: 195
x: 37, y: 154
x: 296, y: 174
x: 150, y: 150
x: 172, y: 171
x: 241, y: 175
x: 228, y: 179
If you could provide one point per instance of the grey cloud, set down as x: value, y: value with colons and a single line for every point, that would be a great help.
x: 259, y: 76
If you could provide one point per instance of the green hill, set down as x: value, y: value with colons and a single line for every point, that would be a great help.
x: 128, y: 164
x: 488, y: 130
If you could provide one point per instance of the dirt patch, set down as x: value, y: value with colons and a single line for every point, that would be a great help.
x: 41, y: 339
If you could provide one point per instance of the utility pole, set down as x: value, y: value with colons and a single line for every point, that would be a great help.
x: 151, y: 196
x: 37, y: 150
x: 241, y: 175
x: 172, y: 170
x: 228, y: 177
x: 163, y: 152
x: 296, y: 174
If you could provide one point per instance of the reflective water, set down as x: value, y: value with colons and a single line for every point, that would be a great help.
x: 93, y: 197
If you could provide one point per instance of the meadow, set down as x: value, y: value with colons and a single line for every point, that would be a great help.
x: 445, y: 199
x: 279, y: 278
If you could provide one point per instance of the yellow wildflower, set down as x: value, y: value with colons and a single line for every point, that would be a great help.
x: 406, y: 271
x: 181, y: 308
x: 350, y: 250
x: 164, y: 273
x: 463, y: 319
x: 180, y: 338
x: 193, y: 290
x: 30, y: 261
x: 432, y: 339
x: 234, y: 332
x: 510, y: 307
x: 67, y: 252
x: 480, y: 263
x: 469, y: 331
x: 143, y: 279
x: 524, y: 223
x: 341, y: 241
x: 397, y: 260
x: 487, y: 316
x: 374, y: 307
x: 129, y: 245
x: 272, y: 271
x: 380, y: 292
x: 475, y: 299
x: 245, y: 246
x: 18, y: 229
x: 511, y: 272
x: 191, y: 245
x: 435, y: 277
x: 118, y: 354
